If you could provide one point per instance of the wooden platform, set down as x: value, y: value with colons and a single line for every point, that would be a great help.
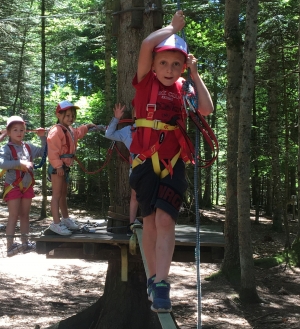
x: 98, y: 245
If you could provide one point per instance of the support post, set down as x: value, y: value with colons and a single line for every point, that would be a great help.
x: 157, y: 15
x: 137, y: 15
x: 124, y: 263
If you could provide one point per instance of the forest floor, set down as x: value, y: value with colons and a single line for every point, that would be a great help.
x: 36, y: 292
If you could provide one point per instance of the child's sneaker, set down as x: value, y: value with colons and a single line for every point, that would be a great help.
x: 161, y: 297
x: 129, y: 230
x: 149, y: 287
x: 60, y: 229
x: 70, y: 223
x: 14, y: 249
x: 136, y: 221
x: 28, y: 247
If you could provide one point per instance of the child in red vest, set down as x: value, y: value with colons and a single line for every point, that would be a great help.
x: 16, y: 158
x: 62, y: 143
x: 158, y: 174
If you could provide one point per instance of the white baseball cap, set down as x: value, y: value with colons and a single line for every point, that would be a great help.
x: 14, y: 119
x: 64, y: 106
x: 172, y: 42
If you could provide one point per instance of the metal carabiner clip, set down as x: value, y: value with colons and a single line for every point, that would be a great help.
x: 190, y: 105
x: 185, y: 105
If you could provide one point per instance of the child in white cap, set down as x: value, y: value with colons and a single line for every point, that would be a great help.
x: 158, y: 174
x: 62, y: 143
x: 16, y: 158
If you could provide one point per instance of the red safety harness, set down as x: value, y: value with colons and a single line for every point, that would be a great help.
x: 19, y: 173
x: 187, y: 150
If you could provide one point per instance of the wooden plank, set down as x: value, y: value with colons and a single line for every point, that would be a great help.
x: 115, y: 215
x: 124, y: 263
x: 165, y: 319
x: 185, y: 236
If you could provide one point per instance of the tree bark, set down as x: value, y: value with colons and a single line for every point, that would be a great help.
x: 43, y: 79
x: 109, y: 4
x: 274, y: 145
x: 248, y: 286
x: 125, y: 303
x: 234, y: 68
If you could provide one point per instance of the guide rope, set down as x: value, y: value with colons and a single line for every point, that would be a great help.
x: 193, y: 98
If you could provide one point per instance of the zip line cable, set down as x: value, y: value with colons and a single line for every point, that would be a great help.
x: 48, y: 16
x: 189, y: 82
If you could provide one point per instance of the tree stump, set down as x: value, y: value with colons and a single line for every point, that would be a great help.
x: 123, y: 305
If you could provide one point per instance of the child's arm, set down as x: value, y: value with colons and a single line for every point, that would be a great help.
x: 153, y: 39
x: 81, y: 131
x: 38, y: 151
x: 119, y: 111
x: 111, y: 130
x: 3, y: 134
x: 90, y: 125
x: 7, y: 163
x: 205, y: 104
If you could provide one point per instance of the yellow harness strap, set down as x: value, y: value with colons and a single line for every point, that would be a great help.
x: 11, y: 186
x: 139, y: 159
x: 154, y: 124
x: 2, y: 173
x: 156, y: 164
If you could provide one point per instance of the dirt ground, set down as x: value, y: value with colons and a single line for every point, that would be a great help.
x: 36, y: 292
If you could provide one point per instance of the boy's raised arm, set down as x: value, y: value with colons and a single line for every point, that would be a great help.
x: 153, y: 39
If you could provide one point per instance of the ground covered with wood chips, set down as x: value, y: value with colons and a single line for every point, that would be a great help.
x: 36, y: 292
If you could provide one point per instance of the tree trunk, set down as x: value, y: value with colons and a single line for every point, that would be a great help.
x: 43, y: 79
x: 123, y: 305
x: 274, y: 145
x: 296, y: 242
x: 234, y: 69
x: 108, y: 87
x: 255, y: 180
x: 287, y: 159
x: 248, y: 286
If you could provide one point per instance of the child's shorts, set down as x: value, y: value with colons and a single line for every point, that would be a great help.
x: 16, y: 193
x: 152, y: 192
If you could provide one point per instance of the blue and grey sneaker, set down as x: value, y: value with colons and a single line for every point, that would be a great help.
x: 14, y: 249
x: 161, y: 297
x: 28, y: 247
x: 149, y: 287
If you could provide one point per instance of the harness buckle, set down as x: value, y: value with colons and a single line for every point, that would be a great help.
x: 155, y: 124
x: 139, y: 160
x: 152, y: 106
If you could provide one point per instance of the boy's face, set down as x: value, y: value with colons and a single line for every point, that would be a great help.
x: 168, y: 66
x: 16, y: 132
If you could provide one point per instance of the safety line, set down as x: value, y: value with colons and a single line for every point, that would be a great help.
x: 196, y: 195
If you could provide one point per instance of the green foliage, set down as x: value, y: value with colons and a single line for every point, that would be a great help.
x: 269, y: 262
x: 214, y: 276
x: 288, y: 256
x: 234, y: 276
x: 75, y: 70
x: 295, y: 252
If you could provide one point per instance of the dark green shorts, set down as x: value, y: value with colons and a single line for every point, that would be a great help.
x: 152, y: 192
